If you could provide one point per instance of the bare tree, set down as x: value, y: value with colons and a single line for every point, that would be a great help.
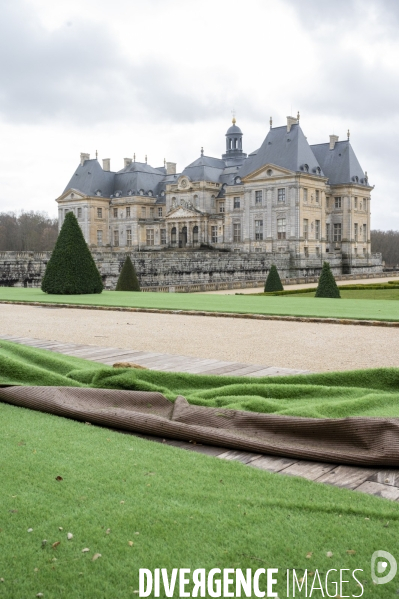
x: 29, y: 231
x: 386, y: 243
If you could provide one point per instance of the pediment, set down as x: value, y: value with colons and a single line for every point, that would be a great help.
x: 72, y: 194
x: 268, y: 171
x: 183, y: 212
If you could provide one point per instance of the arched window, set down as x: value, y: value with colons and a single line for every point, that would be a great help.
x: 173, y: 235
x: 195, y: 234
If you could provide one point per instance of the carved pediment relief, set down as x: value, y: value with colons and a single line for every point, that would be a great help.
x: 72, y: 194
x: 268, y: 171
x: 183, y: 212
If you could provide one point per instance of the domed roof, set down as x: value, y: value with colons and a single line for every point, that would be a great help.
x: 234, y: 130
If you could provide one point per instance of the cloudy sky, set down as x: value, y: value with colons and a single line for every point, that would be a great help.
x: 161, y: 77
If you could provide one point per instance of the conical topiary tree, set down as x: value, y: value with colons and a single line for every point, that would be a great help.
x: 327, y: 286
x: 71, y: 268
x: 128, y: 280
x: 273, y: 282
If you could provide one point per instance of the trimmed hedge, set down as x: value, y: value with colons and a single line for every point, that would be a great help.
x: 327, y: 286
x: 71, y: 269
x: 128, y: 280
x: 273, y: 281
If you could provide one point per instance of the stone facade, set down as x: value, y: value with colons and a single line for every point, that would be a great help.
x: 196, y: 270
x: 287, y: 198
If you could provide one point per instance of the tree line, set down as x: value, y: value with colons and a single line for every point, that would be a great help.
x: 28, y: 231
x: 37, y: 232
x: 386, y: 243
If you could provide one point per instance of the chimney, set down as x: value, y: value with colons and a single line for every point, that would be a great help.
x: 171, y: 168
x: 106, y: 164
x: 83, y: 158
x: 127, y: 161
x: 333, y: 141
x: 291, y: 120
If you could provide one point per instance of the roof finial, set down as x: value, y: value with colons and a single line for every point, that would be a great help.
x: 348, y: 134
x: 146, y: 158
x: 271, y: 122
x: 233, y: 112
x: 96, y: 154
x: 202, y: 151
x: 298, y: 116
x: 164, y: 162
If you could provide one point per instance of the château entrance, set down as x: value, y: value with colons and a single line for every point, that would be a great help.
x: 183, y: 237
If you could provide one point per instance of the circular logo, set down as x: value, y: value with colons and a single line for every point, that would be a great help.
x: 379, y: 565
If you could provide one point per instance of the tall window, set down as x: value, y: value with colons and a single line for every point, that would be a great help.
x: 327, y: 202
x: 150, y: 236
x: 99, y: 212
x: 364, y: 203
x: 281, y: 195
x: 305, y: 194
x: 236, y: 203
x: 355, y: 202
x: 356, y: 231
x: 163, y: 236
x: 281, y: 228
x: 338, y: 202
x: 236, y: 232
x: 214, y: 234
x: 115, y: 212
x: 128, y: 237
x: 317, y: 229
x: 258, y: 198
x: 99, y: 237
x: 128, y: 212
x: 221, y: 206
x: 317, y: 196
x: 116, y: 238
x: 195, y: 234
x: 143, y: 212
x: 364, y: 232
x: 173, y: 235
x: 160, y: 211
x: 79, y: 212
x: 151, y: 212
x: 259, y: 230
x: 327, y: 231
x: 337, y: 231
x: 305, y: 228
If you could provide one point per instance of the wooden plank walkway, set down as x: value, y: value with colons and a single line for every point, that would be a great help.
x: 373, y: 481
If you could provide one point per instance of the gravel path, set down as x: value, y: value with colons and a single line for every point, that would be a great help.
x: 297, y: 345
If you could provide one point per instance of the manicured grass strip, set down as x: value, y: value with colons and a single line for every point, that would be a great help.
x: 180, y: 510
x: 325, y: 395
x: 384, y: 310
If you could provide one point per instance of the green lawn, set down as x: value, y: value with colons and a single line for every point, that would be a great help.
x: 244, y: 304
x: 179, y: 509
x: 373, y: 392
x: 360, y: 294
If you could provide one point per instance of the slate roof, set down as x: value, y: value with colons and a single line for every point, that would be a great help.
x: 90, y: 177
x: 137, y: 176
x: 280, y: 148
x: 205, y: 168
x: 288, y: 150
x: 340, y: 165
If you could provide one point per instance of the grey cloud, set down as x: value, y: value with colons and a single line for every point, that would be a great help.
x: 346, y: 13
x: 79, y: 74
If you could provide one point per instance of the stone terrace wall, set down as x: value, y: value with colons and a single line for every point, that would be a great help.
x: 201, y: 269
